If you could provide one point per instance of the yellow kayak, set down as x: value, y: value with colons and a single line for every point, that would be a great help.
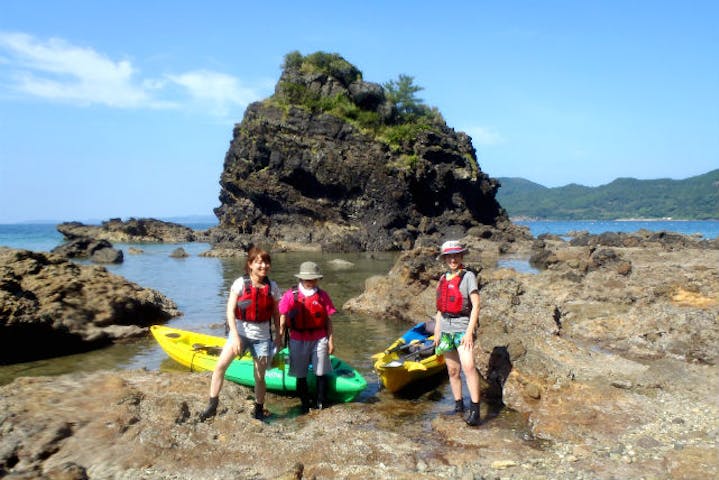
x: 199, y: 352
x: 409, y: 360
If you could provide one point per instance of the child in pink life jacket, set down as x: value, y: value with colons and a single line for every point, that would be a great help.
x: 305, y: 312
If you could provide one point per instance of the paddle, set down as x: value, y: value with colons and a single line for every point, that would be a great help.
x: 406, y: 360
x: 403, y: 346
x: 412, y: 366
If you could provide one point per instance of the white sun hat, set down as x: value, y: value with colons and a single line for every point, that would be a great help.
x: 451, y: 246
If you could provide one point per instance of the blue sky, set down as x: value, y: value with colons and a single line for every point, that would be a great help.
x: 126, y: 108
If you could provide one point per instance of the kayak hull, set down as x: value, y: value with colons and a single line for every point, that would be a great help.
x: 409, y: 361
x: 199, y: 352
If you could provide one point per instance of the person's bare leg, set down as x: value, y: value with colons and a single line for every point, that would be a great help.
x: 451, y: 360
x: 218, y: 377
x: 472, y: 377
x: 260, y: 387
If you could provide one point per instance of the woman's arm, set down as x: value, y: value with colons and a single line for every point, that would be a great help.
x: 330, y: 336
x: 230, y: 314
x: 468, y: 339
x: 437, y: 327
x: 278, y: 325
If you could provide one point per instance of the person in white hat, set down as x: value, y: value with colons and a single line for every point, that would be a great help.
x: 455, y: 323
x: 306, y: 313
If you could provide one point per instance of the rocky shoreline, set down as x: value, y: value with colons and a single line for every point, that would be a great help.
x: 50, y: 306
x: 144, y: 425
x: 613, y: 349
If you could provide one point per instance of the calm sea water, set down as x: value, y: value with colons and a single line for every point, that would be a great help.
x: 708, y: 229
x: 200, y: 286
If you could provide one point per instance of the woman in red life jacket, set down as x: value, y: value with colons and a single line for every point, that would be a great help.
x: 251, y: 308
x: 456, y: 320
x: 305, y: 311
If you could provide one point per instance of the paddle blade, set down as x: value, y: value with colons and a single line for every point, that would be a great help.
x: 414, y: 366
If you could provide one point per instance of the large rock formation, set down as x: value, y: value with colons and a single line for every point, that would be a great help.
x: 69, y: 308
x: 330, y: 162
x: 133, y: 230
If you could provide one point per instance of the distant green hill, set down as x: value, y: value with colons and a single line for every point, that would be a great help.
x: 695, y: 198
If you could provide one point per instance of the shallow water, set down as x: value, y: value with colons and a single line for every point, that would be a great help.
x: 200, y: 285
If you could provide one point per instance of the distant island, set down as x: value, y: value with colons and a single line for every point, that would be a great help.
x: 694, y: 198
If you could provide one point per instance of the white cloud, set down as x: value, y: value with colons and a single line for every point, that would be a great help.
x: 482, y: 136
x: 57, y: 70
x: 217, y: 91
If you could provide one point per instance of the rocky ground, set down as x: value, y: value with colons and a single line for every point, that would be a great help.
x: 613, y: 374
x: 72, y: 308
x: 144, y: 425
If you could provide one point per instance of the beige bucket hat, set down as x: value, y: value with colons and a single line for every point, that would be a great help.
x: 309, y: 271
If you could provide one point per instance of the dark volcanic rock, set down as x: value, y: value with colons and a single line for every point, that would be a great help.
x: 99, y: 251
x: 134, y: 230
x: 72, y: 308
x: 296, y: 175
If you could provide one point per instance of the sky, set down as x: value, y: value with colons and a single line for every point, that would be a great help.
x: 126, y: 108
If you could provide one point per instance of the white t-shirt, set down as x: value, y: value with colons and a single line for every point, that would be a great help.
x: 254, y: 330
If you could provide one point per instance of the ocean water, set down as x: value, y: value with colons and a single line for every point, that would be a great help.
x: 708, y: 229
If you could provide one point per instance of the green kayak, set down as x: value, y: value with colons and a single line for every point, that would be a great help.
x: 199, y: 352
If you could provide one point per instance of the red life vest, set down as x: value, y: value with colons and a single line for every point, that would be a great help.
x: 262, y: 304
x: 449, y: 298
x: 308, y: 312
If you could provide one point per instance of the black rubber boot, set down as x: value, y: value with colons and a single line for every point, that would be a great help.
x: 259, y: 411
x: 304, y: 394
x: 321, y: 392
x: 473, y: 418
x: 211, y: 409
x: 459, y: 406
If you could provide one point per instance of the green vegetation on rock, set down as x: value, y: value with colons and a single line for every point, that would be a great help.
x: 695, y: 198
x: 330, y: 64
x: 395, y: 117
